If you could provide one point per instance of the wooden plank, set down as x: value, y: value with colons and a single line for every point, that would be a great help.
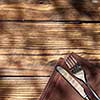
x: 33, y: 48
x: 49, y: 10
x: 25, y: 1
x: 23, y: 88
x: 18, y: 33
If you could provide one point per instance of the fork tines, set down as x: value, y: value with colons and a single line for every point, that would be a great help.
x: 72, y: 63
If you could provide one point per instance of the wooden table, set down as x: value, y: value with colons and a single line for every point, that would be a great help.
x: 34, y: 34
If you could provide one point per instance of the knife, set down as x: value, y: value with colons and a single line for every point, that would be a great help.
x: 72, y: 82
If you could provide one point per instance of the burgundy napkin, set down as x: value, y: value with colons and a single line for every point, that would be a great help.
x: 58, y: 88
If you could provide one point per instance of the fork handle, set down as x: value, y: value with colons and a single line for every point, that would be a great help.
x: 93, y: 92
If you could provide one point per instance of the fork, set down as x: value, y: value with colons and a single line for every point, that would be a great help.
x: 75, y: 84
x: 79, y: 73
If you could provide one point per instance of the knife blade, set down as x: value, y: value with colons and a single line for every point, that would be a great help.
x: 72, y: 82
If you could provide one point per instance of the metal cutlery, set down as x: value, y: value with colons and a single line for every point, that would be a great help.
x: 72, y: 82
x: 79, y: 73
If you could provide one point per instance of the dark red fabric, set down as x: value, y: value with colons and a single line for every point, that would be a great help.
x: 92, y: 74
x: 58, y: 88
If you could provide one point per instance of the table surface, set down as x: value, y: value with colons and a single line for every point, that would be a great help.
x: 35, y: 34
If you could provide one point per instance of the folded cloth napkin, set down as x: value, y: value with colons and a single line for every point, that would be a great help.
x: 58, y: 88
x: 92, y: 72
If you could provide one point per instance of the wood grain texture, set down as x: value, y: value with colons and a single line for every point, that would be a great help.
x: 49, y: 10
x: 34, y: 34
x: 33, y: 48
x: 21, y: 88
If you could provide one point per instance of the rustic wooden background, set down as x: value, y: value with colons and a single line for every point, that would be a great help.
x: 35, y: 33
